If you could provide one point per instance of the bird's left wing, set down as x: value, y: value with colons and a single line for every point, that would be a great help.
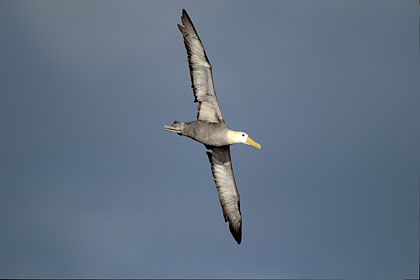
x: 201, y: 74
x: 221, y: 167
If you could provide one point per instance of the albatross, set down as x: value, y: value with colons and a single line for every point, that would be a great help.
x: 210, y: 128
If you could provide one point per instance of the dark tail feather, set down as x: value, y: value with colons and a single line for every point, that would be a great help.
x: 171, y: 129
x: 175, y: 127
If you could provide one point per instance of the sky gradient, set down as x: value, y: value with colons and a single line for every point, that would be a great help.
x: 92, y: 186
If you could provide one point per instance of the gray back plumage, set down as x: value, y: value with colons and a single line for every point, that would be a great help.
x: 211, y: 134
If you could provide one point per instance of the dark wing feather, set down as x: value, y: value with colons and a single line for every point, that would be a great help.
x: 221, y: 167
x: 201, y: 75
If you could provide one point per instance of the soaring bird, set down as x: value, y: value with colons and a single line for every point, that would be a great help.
x: 210, y: 129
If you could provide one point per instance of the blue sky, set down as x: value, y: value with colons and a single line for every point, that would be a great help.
x: 92, y: 186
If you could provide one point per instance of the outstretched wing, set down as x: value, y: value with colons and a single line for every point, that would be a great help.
x: 221, y: 167
x: 200, y: 71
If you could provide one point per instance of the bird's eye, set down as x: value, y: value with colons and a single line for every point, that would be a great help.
x: 243, y: 135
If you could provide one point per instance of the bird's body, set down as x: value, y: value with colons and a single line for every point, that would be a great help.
x: 210, y: 129
x: 207, y: 133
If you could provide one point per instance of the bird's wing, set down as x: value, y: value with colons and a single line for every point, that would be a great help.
x: 221, y: 167
x: 200, y: 72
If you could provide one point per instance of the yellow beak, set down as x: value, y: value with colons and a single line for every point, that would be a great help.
x: 249, y: 141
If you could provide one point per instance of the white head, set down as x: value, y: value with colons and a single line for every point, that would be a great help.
x: 238, y: 137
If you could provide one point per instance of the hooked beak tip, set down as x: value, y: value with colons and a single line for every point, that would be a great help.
x: 251, y: 142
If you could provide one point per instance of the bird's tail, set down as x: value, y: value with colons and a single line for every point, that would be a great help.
x: 175, y: 127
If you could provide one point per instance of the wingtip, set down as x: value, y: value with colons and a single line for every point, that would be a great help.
x: 184, y: 13
x: 236, y: 231
x: 185, y: 17
x: 181, y: 28
x: 237, y: 235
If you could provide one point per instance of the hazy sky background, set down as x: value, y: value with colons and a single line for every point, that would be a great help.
x: 92, y: 186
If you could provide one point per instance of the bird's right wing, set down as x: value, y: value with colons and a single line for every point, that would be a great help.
x: 201, y: 74
x: 221, y: 167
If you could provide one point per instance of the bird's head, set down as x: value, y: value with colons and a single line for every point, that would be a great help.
x: 238, y: 137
